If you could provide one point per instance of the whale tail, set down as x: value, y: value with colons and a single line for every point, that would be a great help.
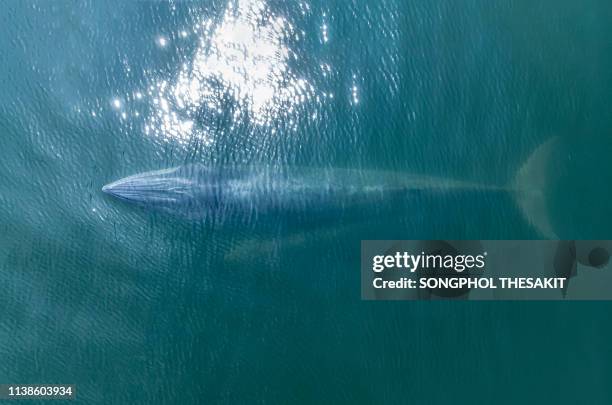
x: 530, y: 186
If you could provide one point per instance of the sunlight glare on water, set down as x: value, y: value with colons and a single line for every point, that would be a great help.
x: 243, y: 59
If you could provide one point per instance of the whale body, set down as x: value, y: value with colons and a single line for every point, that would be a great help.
x: 201, y: 191
x: 197, y: 190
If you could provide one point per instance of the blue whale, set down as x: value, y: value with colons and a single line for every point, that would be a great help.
x: 200, y: 191
x: 196, y: 190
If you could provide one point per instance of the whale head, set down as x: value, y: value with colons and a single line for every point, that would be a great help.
x: 178, y: 189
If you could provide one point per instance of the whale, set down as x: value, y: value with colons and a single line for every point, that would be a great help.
x: 199, y: 191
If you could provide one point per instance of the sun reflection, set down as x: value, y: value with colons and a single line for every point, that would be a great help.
x: 240, y: 69
x: 354, y: 91
x: 162, y: 42
x: 325, y: 29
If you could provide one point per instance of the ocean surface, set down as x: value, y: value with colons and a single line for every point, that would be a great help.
x: 136, y: 307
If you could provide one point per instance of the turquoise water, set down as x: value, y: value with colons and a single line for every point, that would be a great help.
x: 137, y: 307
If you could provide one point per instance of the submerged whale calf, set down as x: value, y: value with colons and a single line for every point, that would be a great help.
x: 200, y: 191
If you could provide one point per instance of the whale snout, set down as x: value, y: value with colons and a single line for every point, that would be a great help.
x: 130, y: 189
x: 120, y: 190
x: 108, y: 189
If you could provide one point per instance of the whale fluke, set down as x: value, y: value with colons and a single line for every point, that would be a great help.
x: 530, y: 186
